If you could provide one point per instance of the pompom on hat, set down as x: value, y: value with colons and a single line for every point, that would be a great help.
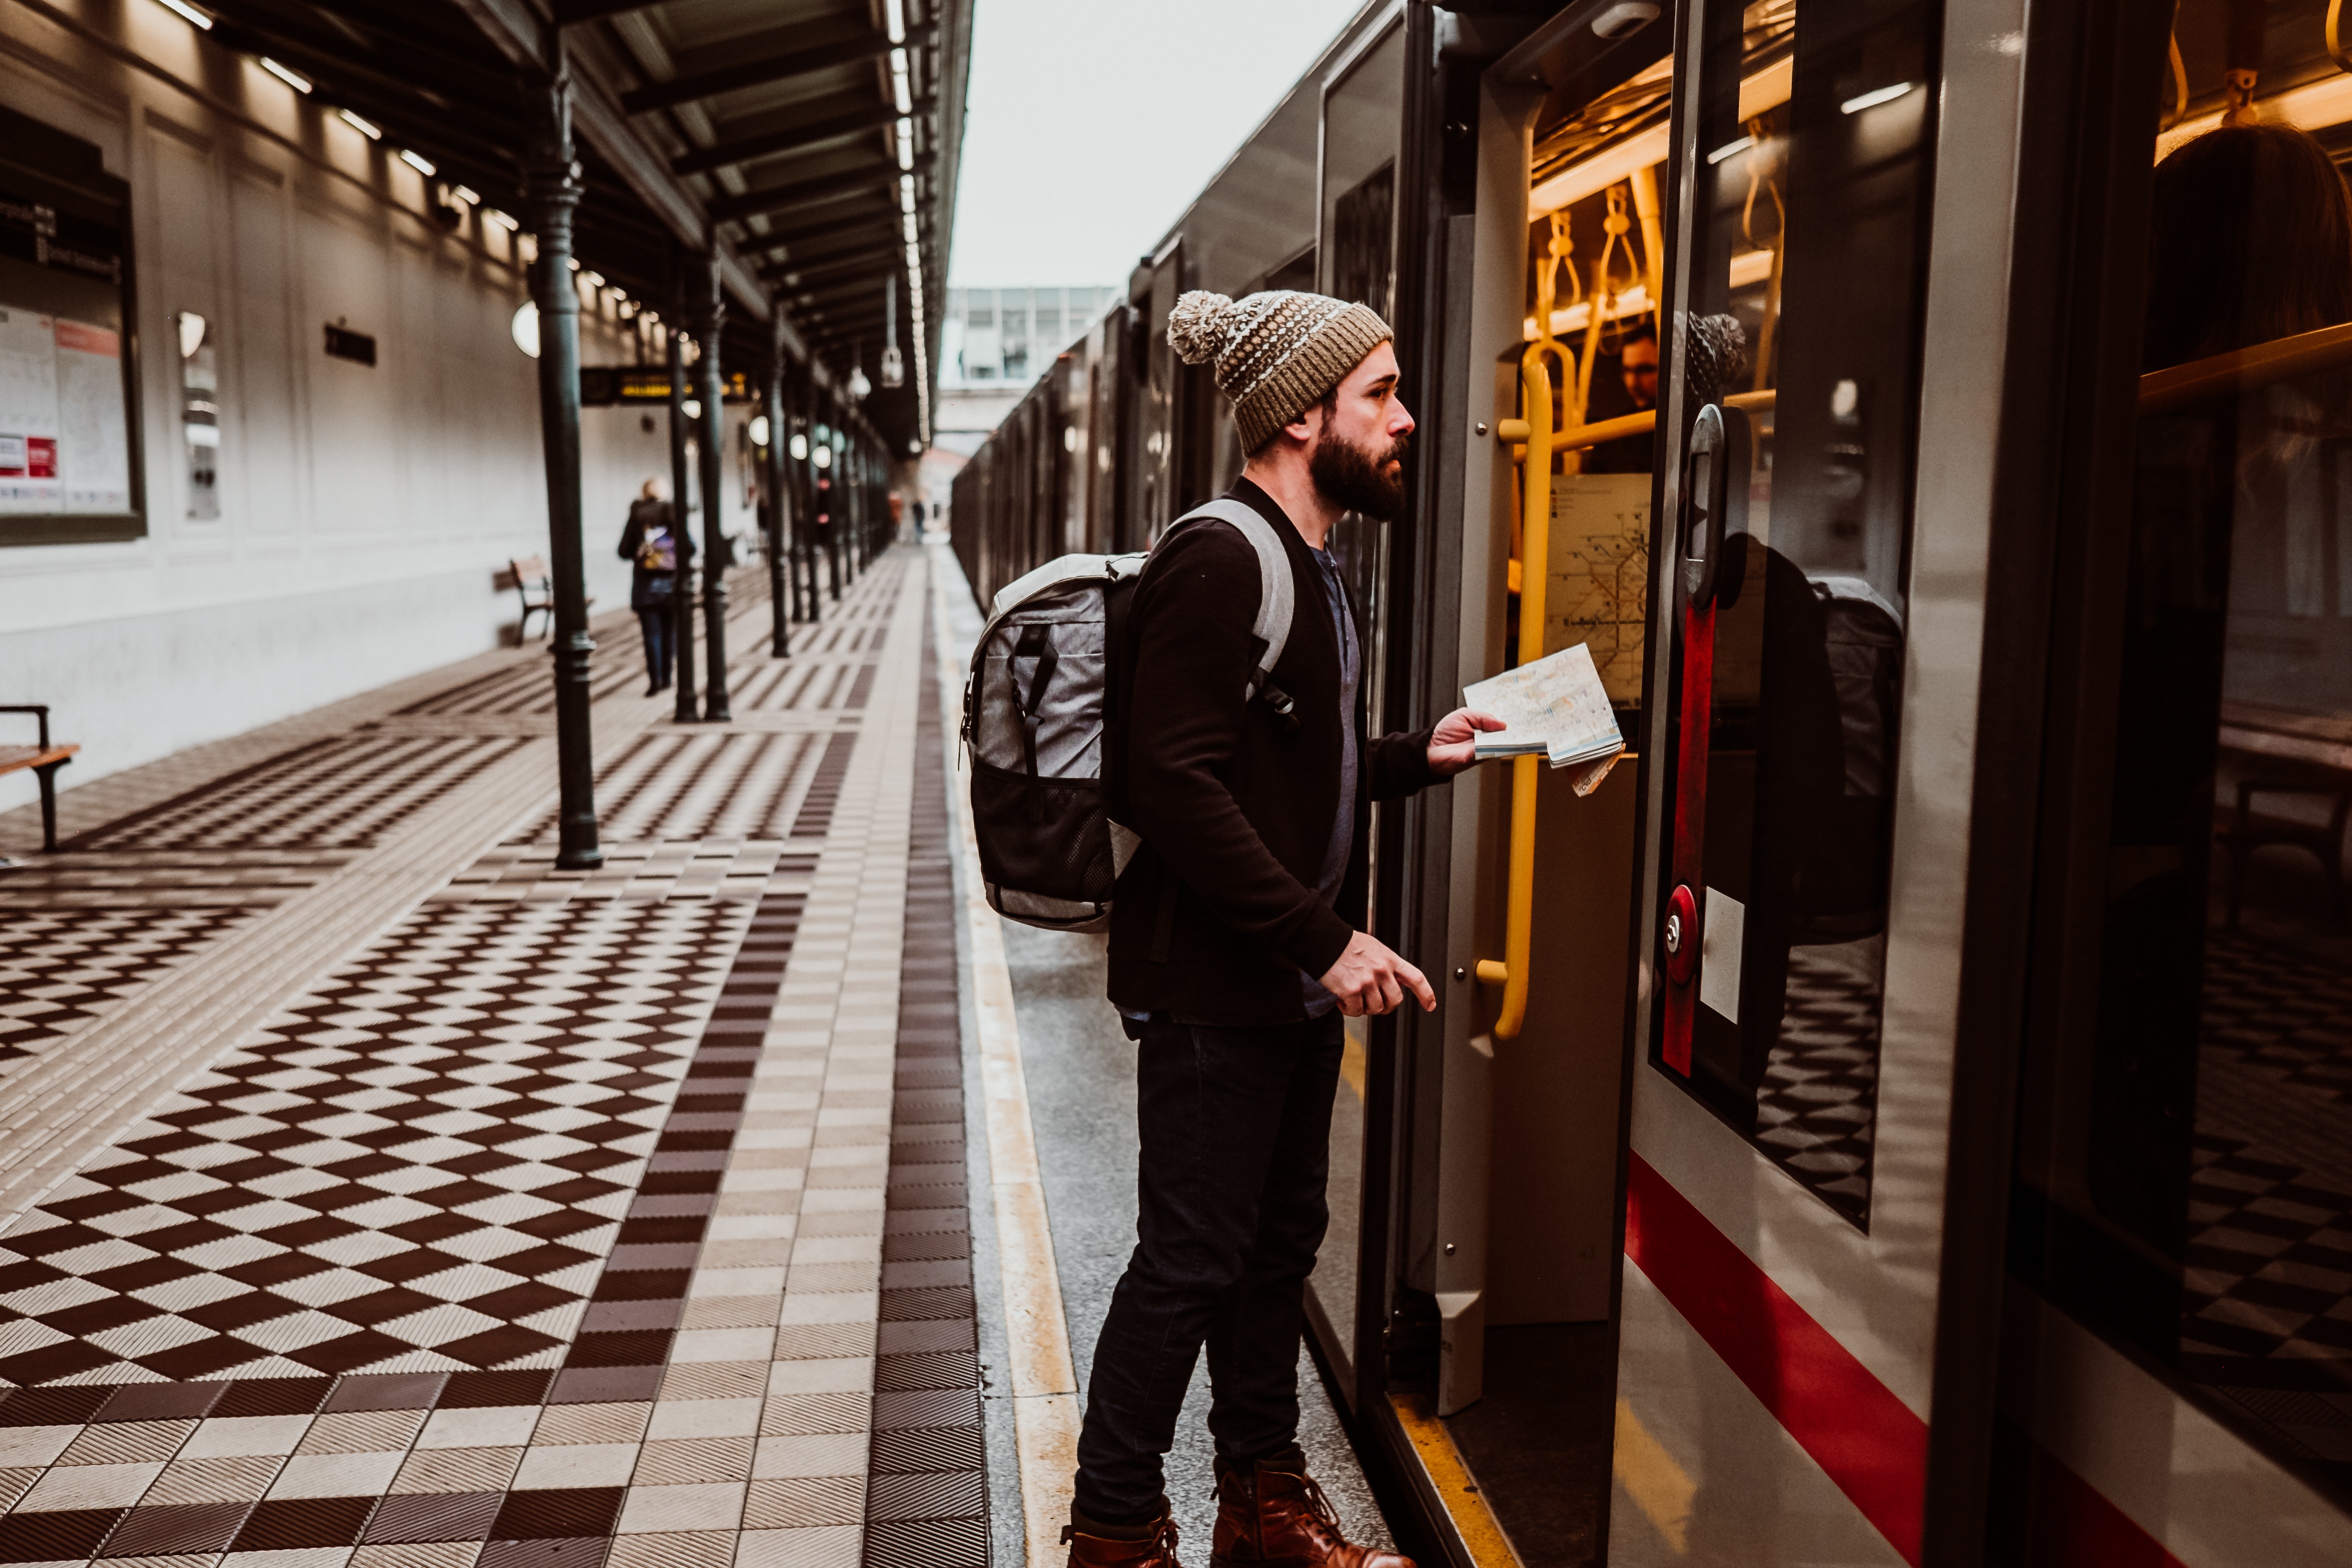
x: 1275, y: 352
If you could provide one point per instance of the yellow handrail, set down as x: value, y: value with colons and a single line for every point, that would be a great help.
x: 1535, y: 542
x: 2239, y: 371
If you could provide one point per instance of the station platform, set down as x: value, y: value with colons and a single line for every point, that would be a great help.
x: 374, y: 1193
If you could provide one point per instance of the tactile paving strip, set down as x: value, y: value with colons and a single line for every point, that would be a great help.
x: 927, y: 1502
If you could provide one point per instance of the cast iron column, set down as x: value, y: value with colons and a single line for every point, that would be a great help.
x: 683, y: 709
x: 553, y: 187
x: 805, y: 486
x: 771, y: 489
x: 714, y: 489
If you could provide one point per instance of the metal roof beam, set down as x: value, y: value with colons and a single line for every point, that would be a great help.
x: 523, y: 37
x: 743, y: 149
x: 874, y: 263
x: 880, y: 177
x: 760, y: 73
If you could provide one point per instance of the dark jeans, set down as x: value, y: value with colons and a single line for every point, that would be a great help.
x: 661, y: 631
x: 1236, y: 1133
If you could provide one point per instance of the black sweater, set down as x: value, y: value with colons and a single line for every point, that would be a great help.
x: 1216, y: 915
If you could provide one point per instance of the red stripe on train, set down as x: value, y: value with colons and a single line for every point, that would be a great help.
x: 2069, y: 1522
x: 1868, y: 1441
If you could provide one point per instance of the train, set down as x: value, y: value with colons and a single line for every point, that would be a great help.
x: 1904, y: 1114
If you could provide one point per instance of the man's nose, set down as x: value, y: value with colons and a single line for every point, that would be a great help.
x: 1401, y: 422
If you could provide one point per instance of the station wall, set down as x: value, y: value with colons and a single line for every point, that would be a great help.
x: 366, y: 513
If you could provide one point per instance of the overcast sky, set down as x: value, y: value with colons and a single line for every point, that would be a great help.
x: 1093, y: 123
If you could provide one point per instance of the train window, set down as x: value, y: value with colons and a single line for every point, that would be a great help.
x: 2187, y: 1173
x: 67, y: 446
x: 1814, y: 139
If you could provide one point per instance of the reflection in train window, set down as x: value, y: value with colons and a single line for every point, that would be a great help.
x: 1814, y: 137
x: 2209, y: 1159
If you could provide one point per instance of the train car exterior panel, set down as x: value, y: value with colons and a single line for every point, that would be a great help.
x: 1810, y: 1368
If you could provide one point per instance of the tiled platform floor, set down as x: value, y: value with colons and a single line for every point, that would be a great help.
x: 536, y: 1219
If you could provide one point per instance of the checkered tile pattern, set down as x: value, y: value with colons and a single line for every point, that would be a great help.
x: 618, y: 667
x: 61, y: 967
x: 2277, y: 1010
x: 2266, y: 1299
x: 340, y: 793
x: 1815, y: 1111
x: 546, y: 1232
x: 416, y: 1170
x: 672, y: 784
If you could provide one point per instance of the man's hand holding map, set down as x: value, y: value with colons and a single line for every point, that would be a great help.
x: 1555, y: 706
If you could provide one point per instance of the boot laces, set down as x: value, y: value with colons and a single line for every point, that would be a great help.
x: 1320, y: 1506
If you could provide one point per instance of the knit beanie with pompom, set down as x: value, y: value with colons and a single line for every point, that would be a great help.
x: 1276, y: 352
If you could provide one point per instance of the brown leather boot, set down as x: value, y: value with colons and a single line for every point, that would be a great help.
x: 1271, y: 1516
x: 1157, y: 1549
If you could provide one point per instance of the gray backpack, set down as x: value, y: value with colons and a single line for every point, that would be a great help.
x: 1045, y: 715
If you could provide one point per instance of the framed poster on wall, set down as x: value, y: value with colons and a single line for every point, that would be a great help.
x: 68, y: 436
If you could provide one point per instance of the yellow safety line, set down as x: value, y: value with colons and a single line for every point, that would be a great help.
x: 1457, y: 1490
x: 1042, y: 1380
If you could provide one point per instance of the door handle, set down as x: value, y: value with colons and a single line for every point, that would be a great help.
x: 1700, y: 532
x: 1704, y: 506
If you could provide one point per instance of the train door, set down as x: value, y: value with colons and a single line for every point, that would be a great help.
x: 2176, y: 1370
x: 1812, y: 703
x: 1362, y: 134
x: 1155, y: 470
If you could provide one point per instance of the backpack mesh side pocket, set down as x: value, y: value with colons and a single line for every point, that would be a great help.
x: 1047, y: 838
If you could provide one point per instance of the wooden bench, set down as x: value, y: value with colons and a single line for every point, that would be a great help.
x: 44, y: 760
x: 535, y: 586
x: 2279, y: 751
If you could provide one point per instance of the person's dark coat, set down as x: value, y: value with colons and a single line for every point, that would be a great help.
x: 649, y: 589
x: 1216, y: 915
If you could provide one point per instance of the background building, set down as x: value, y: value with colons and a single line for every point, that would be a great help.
x: 995, y: 343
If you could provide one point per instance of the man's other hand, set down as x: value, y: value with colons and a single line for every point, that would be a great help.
x: 1453, y: 745
x: 1369, y: 978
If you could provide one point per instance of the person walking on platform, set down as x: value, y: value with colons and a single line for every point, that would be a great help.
x: 655, y: 548
x: 1234, y: 943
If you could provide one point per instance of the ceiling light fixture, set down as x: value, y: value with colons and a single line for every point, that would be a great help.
x: 187, y: 13
x: 466, y: 195
x: 895, y: 18
x: 422, y: 165
x: 525, y: 328
x: 294, y: 80
x: 371, y: 133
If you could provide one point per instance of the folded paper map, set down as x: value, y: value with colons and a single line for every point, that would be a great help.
x: 1557, y: 707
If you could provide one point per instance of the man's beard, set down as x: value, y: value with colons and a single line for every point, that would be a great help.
x: 1357, y: 479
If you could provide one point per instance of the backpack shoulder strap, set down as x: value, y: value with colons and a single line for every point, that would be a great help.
x: 1277, y: 591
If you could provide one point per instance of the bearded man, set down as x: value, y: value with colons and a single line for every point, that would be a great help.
x: 1234, y: 943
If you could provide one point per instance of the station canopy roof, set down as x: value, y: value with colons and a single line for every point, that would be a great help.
x: 810, y: 137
